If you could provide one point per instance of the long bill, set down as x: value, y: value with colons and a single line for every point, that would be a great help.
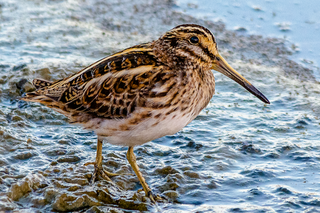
x: 221, y: 65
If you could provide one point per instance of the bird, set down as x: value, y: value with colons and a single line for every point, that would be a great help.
x: 141, y: 93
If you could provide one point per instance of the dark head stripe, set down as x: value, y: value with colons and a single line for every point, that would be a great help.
x: 193, y: 28
x: 206, y: 50
x: 193, y: 54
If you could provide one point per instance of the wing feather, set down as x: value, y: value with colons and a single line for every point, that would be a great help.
x: 111, y: 88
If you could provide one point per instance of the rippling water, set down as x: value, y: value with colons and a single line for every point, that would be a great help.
x: 239, y: 155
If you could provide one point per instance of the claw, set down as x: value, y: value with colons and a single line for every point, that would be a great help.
x: 151, y: 196
x: 99, y: 171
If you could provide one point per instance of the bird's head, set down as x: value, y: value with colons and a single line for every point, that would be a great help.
x: 193, y: 45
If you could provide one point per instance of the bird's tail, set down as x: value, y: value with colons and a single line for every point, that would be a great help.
x: 38, y: 96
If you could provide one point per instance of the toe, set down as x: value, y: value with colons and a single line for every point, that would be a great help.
x: 151, y: 196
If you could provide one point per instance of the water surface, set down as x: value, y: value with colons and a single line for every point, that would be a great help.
x: 296, y: 21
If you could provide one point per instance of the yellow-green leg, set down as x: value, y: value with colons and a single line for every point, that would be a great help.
x: 132, y: 160
x: 98, y: 169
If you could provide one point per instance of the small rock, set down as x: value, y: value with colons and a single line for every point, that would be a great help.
x: 25, y: 86
x: 102, y: 209
x: 55, y: 152
x: 171, y: 195
x: 166, y: 170
x: 80, y: 181
x: 73, y: 188
x: 21, y: 83
x: 29, y: 183
x: 50, y: 194
x: 68, y: 202
x: 24, y: 155
x: 44, y: 73
x: 54, y: 163
x: 191, y: 174
x: 28, y: 87
x: 68, y: 159
x: 16, y: 118
x: 6, y: 205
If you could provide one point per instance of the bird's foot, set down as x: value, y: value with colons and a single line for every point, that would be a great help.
x: 100, y: 172
x: 153, y: 198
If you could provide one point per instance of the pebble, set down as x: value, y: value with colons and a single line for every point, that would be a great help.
x: 171, y: 195
x: 25, y: 155
x: 191, y: 174
x: 103, y: 209
x: 68, y: 159
x: 166, y: 170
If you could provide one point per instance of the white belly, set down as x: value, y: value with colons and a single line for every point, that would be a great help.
x: 143, y: 132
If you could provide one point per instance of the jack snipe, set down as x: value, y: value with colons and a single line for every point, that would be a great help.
x: 143, y: 92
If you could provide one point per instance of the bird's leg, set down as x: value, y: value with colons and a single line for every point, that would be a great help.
x: 132, y: 160
x: 98, y: 169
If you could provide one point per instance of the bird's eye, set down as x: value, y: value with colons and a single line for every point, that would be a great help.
x: 194, y: 40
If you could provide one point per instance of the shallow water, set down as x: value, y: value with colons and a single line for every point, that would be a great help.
x: 239, y: 155
x: 296, y: 21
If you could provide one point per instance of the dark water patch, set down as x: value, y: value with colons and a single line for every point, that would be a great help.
x: 258, y: 173
x: 258, y: 195
x: 19, y: 67
x: 226, y: 152
x: 193, y: 145
x: 247, y: 148
x: 237, y: 181
x: 292, y: 204
x: 311, y: 202
x: 283, y: 190
x: 272, y: 155
x: 250, y: 209
x: 287, y: 148
x: 301, y: 156
x: 176, y: 140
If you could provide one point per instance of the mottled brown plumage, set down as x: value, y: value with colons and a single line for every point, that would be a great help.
x: 143, y: 92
